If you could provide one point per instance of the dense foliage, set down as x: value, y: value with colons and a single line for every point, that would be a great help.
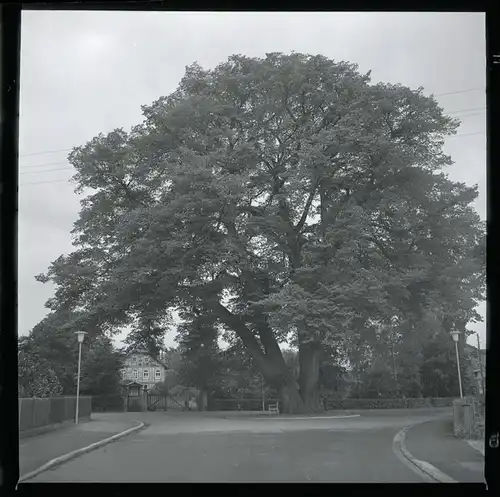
x: 51, y: 351
x: 36, y: 377
x: 285, y: 199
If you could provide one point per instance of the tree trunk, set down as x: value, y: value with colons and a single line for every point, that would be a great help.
x: 309, y: 357
x: 278, y: 375
x: 202, y: 400
x: 270, y: 360
x: 291, y: 400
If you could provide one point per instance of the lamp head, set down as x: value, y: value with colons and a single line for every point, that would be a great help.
x: 455, y: 335
x: 80, y: 335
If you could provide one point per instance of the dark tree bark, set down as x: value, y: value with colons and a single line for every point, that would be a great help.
x: 309, y: 360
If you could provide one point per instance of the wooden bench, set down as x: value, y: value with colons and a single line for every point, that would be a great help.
x: 274, y: 408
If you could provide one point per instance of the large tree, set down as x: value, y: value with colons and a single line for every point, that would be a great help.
x: 286, y: 198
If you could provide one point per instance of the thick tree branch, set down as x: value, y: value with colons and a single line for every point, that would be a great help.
x: 237, y: 324
x: 307, y: 207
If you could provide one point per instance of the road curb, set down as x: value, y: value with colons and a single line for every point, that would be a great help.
x: 290, y: 418
x: 75, y: 453
x: 476, y: 446
x: 424, y: 469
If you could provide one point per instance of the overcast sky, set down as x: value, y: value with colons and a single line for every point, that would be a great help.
x: 83, y: 73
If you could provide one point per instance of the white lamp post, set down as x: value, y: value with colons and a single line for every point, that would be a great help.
x: 455, y: 335
x: 80, y: 335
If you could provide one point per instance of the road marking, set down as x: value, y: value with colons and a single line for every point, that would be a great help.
x: 425, y: 470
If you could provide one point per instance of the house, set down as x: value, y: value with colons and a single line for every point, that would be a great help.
x: 142, y: 371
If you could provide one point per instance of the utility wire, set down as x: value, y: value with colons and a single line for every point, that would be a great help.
x: 48, y: 170
x: 459, y: 91
x: 67, y: 180
x: 66, y: 163
x: 468, y: 115
x: 44, y: 182
x: 467, y: 134
x: 46, y: 152
x: 46, y: 165
x: 67, y: 169
x: 435, y: 95
x: 466, y: 110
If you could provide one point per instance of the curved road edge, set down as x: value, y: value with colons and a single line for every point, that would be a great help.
x: 75, y: 453
x: 425, y: 470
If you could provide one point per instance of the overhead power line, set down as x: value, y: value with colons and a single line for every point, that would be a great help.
x: 47, y: 170
x: 46, y: 152
x: 435, y: 94
x: 460, y: 91
x: 466, y: 110
x: 67, y: 180
x: 475, y: 114
x: 468, y: 134
x: 46, y: 165
x: 49, y: 164
x: 44, y: 182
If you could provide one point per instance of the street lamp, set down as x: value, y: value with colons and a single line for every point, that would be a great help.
x: 80, y: 335
x: 455, y: 334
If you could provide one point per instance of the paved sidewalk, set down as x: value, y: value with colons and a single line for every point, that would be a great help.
x: 434, y: 442
x: 37, y: 450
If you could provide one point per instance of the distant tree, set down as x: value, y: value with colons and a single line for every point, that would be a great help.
x: 439, y: 368
x: 173, y: 358
x: 54, y: 343
x: 197, y: 338
x: 147, y: 334
x: 36, y: 377
x: 100, y: 374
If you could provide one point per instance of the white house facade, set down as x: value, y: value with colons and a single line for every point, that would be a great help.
x: 140, y: 367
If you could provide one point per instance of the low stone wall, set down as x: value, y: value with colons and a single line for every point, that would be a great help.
x: 36, y: 413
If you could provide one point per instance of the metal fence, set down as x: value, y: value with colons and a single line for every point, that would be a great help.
x: 37, y: 412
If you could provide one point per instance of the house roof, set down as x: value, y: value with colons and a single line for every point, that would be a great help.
x: 128, y: 383
x: 143, y: 351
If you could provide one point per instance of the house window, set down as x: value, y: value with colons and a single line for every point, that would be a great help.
x: 145, y: 374
x: 157, y: 373
x: 124, y: 373
x: 136, y: 374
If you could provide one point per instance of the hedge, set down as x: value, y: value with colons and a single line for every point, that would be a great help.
x: 107, y: 403
x: 245, y: 404
x: 333, y: 404
x: 347, y: 404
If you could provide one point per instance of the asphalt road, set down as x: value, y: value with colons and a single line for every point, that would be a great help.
x: 193, y: 447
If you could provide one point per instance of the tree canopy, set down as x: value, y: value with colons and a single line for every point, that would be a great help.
x: 49, y: 354
x: 286, y: 199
